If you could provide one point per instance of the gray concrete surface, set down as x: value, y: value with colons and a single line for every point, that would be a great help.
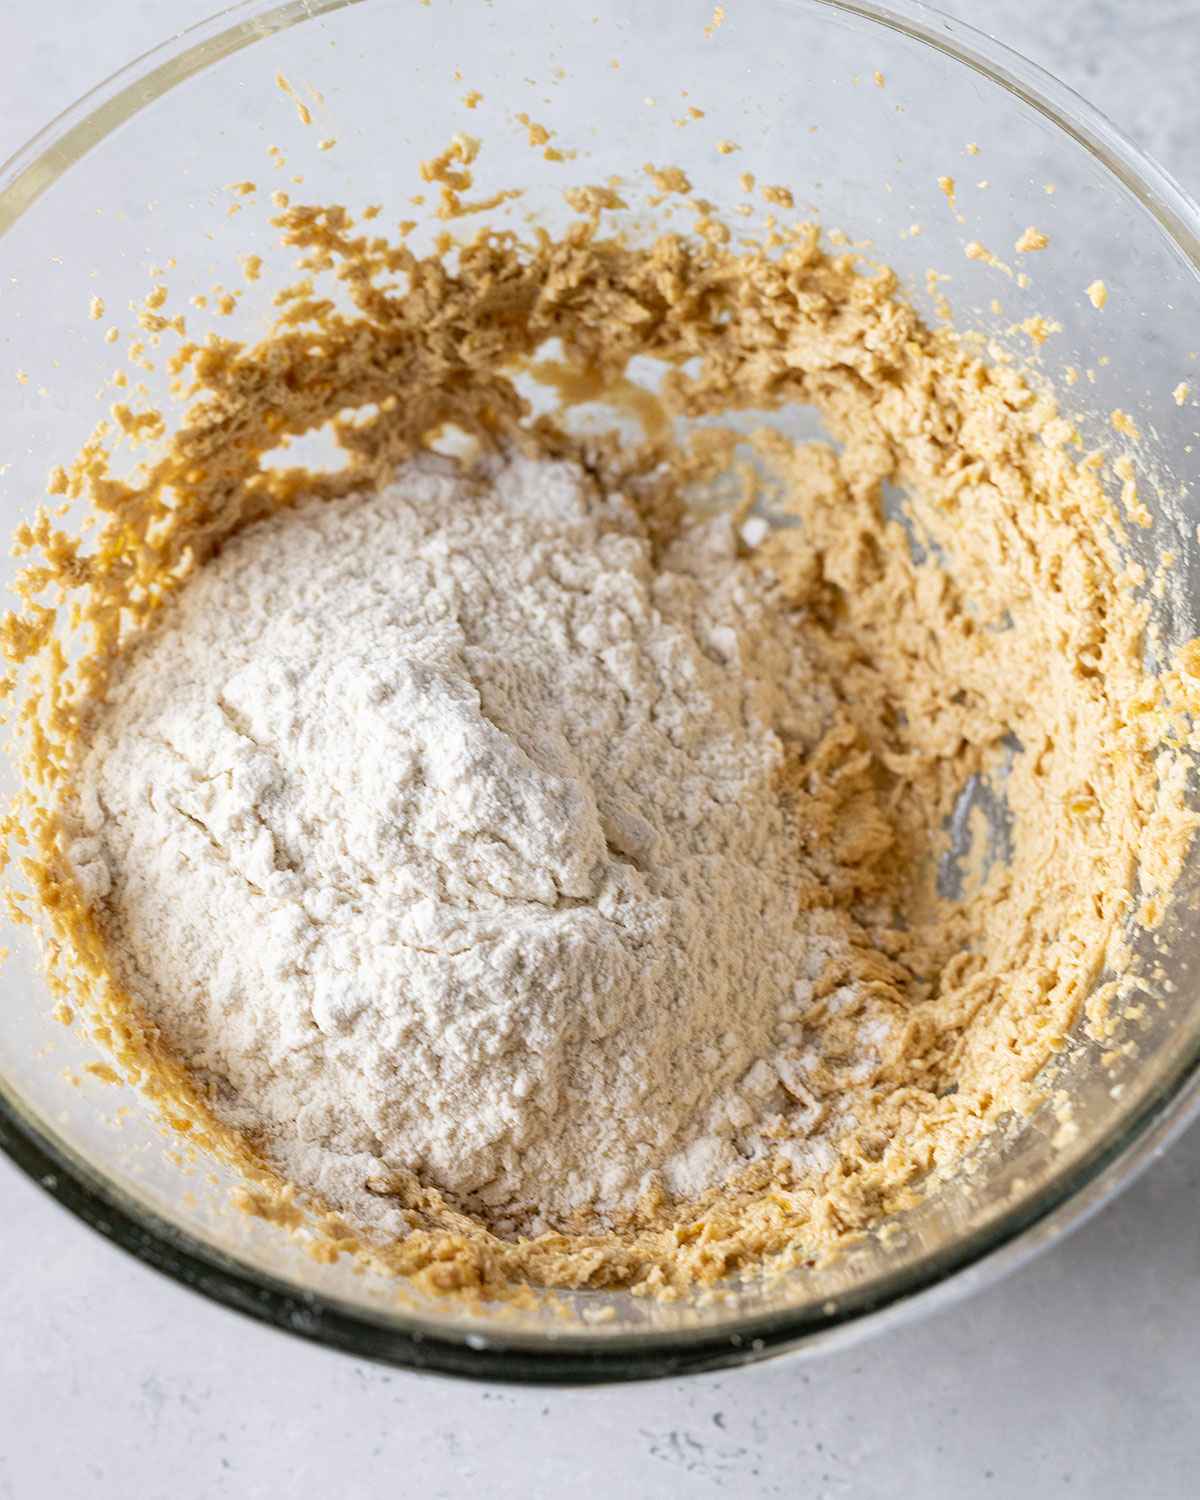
x: 1078, y: 1376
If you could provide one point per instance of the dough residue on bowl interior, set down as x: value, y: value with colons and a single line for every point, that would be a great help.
x: 994, y: 632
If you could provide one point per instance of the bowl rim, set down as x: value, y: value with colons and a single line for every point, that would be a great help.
x: 407, y: 1341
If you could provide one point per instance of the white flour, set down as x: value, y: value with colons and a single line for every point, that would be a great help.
x: 436, y: 831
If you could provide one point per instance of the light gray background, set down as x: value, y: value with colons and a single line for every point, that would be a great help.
x: 1079, y: 1376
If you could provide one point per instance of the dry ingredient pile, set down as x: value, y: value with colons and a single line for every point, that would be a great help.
x: 523, y: 883
x: 438, y: 829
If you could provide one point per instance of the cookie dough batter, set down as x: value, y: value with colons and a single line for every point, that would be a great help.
x: 982, y: 642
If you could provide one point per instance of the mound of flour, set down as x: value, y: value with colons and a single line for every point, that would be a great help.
x: 436, y: 832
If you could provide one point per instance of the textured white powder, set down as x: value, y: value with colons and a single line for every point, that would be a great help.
x: 436, y: 830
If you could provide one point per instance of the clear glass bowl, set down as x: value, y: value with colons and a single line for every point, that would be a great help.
x: 138, y: 172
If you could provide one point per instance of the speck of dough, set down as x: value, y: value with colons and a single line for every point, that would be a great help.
x: 668, y: 179
x: 104, y: 1072
x: 538, y: 134
x: 1031, y: 239
x: 973, y: 250
x: 1037, y: 328
x: 1097, y: 294
x: 1123, y: 423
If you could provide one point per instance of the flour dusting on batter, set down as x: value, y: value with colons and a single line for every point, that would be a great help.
x: 440, y: 832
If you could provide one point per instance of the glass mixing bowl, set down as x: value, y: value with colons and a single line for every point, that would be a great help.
x: 861, y: 109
